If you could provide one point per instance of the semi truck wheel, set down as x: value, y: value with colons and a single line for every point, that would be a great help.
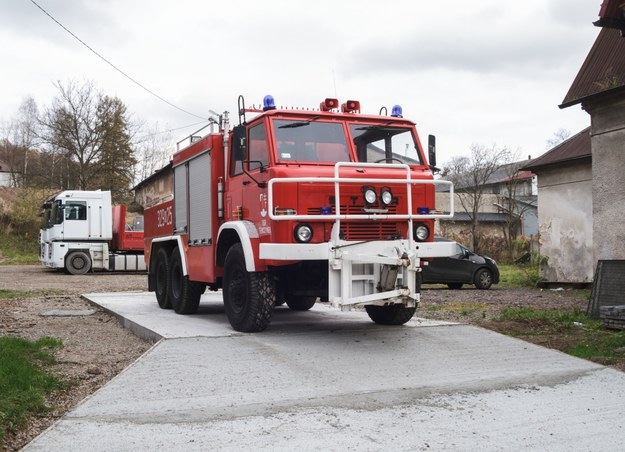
x: 395, y: 314
x: 161, y: 275
x: 184, y: 295
x: 249, y: 297
x: 78, y: 263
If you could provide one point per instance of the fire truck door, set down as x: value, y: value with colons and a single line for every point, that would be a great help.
x: 248, y: 178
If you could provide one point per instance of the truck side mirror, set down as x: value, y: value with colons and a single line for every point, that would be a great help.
x: 239, y: 148
x: 432, y: 150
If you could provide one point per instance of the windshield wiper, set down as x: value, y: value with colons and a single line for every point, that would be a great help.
x: 293, y: 125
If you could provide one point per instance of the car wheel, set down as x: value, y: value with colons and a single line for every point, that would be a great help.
x: 483, y: 279
x: 454, y: 285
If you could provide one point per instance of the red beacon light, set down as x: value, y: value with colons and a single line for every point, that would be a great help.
x: 351, y: 106
x: 329, y: 104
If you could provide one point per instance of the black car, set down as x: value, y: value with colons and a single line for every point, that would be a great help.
x: 465, y: 267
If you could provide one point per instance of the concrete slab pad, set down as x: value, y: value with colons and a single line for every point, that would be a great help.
x: 325, y: 380
x: 140, y: 312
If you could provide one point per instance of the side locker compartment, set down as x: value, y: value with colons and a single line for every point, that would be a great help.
x: 180, y: 195
x: 200, y: 200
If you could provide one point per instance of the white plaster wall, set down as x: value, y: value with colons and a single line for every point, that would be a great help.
x: 608, y: 168
x: 565, y: 223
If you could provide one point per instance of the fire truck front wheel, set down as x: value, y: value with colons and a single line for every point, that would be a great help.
x: 78, y: 263
x: 395, y: 314
x: 249, y: 297
x: 184, y: 294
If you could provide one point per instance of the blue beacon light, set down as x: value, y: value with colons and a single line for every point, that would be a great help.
x: 397, y: 112
x: 269, y: 103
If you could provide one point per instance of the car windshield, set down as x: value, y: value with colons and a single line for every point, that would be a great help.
x: 310, y: 141
x: 377, y: 143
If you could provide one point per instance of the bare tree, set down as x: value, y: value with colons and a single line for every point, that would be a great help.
x: 470, y: 176
x: 558, y: 137
x: 515, y: 200
x: 17, y: 141
x: 155, y: 148
x: 91, y: 134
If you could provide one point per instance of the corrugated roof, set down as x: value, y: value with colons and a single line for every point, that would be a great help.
x: 603, y: 70
x: 575, y: 148
x: 611, y: 15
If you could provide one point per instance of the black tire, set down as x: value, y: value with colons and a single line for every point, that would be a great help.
x: 161, y: 279
x: 249, y: 297
x: 395, y: 314
x: 483, y: 279
x: 78, y: 263
x: 300, y: 303
x: 184, y: 294
x: 454, y: 285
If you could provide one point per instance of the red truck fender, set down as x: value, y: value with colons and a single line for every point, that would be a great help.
x: 180, y: 246
x: 244, y: 232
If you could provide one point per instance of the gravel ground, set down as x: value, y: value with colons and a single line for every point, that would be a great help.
x: 96, y: 347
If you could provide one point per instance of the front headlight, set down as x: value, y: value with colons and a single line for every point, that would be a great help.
x: 370, y: 196
x: 421, y: 232
x: 386, y: 196
x: 303, y: 233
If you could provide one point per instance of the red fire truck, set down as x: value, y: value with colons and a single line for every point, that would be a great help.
x: 296, y: 206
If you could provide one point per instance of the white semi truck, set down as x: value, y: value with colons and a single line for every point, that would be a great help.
x: 82, y: 231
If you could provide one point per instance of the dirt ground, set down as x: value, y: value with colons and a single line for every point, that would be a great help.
x: 96, y: 347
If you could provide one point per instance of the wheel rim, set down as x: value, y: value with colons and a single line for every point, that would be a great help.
x: 485, y: 278
x: 78, y: 262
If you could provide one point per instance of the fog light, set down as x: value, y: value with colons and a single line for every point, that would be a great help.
x: 303, y: 233
x: 421, y: 232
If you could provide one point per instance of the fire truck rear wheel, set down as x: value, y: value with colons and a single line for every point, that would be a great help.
x: 161, y: 276
x: 249, y: 297
x: 300, y: 303
x: 78, y: 263
x: 184, y: 294
x: 395, y: 314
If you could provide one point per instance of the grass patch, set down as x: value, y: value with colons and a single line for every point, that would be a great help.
x: 7, y: 294
x: 559, y: 318
x: 18, y: 251
x: 571, y: 332
x: 24, y: 382
x: 518, y: 275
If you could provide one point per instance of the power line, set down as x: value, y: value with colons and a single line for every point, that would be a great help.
x: 112, y: 65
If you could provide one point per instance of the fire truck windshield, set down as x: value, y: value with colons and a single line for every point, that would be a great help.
x: 310, y: 141
x: 376, y: 143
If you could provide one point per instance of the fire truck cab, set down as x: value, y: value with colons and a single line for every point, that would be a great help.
x: 297, y: 206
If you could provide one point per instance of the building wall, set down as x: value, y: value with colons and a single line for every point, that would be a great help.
x: 565, y: 208
x: 608, y: 169
x: 158, y: 189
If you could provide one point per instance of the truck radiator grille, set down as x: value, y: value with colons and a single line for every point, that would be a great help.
x: 364, y: 229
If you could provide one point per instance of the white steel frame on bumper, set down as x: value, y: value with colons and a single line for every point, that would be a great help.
x: 367, y: 272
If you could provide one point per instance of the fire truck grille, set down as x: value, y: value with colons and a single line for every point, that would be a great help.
x: 362, y: 229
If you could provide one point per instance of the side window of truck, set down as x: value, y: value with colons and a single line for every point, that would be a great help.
x: 76, y: 210
x: 258, y: 151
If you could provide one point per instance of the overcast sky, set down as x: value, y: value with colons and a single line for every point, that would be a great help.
x: 479, y: 71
